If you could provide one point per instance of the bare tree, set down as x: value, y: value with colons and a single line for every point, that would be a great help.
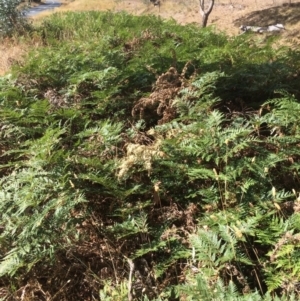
x: 205, y: 12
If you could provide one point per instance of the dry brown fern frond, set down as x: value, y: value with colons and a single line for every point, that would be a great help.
x: 140, y: 154
x: 58, y: 100
x: 136, y: 42
x: 159, y: 102
x: 54, y: 98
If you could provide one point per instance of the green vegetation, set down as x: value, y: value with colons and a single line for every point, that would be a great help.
x: 11, y: 18
x: 143, y: 160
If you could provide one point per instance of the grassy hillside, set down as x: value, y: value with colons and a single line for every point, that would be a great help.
x: 145, y: 160
x: 227, y: 16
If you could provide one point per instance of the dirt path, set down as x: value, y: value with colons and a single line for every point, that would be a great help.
x: 46, y: 5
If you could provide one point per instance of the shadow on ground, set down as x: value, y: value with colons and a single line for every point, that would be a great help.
x: 285, y: 14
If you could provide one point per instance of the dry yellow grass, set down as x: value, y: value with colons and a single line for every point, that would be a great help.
x: 13, y: 51
x: 10, y: 52
x: 134, y: 7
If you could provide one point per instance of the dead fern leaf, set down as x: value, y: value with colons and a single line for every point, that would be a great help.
x: 159, y: 102
x: 139, y: 154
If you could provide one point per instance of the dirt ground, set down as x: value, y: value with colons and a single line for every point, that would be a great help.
x: 228, y: 15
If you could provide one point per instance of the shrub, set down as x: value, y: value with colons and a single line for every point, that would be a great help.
x: 11, y: 18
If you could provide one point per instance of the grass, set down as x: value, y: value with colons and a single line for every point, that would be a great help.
x: 11, y: 52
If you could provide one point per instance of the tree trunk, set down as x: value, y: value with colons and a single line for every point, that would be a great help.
x: 205, y: 13
x: 204, y: 20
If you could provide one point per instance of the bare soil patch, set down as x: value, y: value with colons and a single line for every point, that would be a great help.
x: 227, y: 15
